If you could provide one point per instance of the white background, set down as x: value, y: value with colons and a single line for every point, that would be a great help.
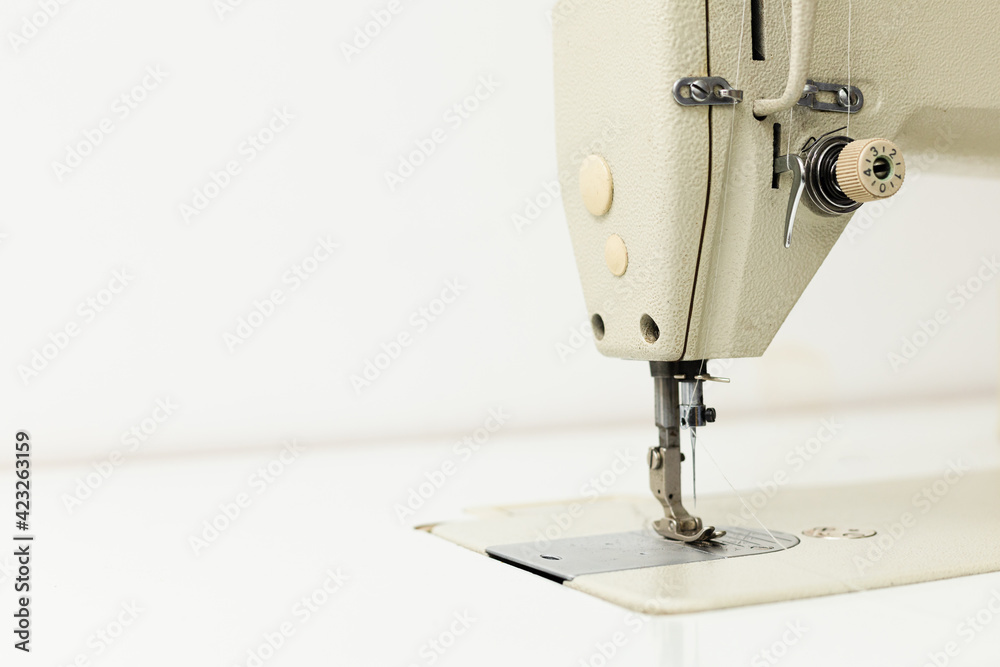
x: 501, y: 345
x: 324, y: 176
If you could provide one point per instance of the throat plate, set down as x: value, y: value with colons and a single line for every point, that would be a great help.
x: 562, y: 560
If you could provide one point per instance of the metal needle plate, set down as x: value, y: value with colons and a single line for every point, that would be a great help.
x: 562, y: 560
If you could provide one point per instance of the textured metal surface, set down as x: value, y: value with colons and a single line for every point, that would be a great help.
x: 562, y: 560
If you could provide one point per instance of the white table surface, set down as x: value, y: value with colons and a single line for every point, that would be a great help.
x: 332, y: 509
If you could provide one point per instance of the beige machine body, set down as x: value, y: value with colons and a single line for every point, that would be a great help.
x: 715, y: 152
x: 689, y: 262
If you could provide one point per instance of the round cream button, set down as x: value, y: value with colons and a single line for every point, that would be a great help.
x: 597, y: 187
x: 616, y: 255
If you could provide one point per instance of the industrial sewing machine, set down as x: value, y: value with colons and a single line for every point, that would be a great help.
x: 722, y: 147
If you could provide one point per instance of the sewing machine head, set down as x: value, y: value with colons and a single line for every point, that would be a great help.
x: 711, y: 153
x: 675, y: 123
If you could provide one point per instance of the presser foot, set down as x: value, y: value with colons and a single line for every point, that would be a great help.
x: 665, y: 483
x: 679, y: 404
x: 668, y: 529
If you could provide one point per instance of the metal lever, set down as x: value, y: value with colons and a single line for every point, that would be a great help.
x: 794, y: 164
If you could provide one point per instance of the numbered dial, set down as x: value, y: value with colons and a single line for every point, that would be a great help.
x: 870, y: 169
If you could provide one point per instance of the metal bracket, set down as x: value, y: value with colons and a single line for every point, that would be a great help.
x: 705, y: 91
x: 794, y: 164
x: 848, y: 99
x: 565, y: 559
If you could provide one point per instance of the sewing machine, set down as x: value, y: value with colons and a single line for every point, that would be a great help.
x: 718, y: 150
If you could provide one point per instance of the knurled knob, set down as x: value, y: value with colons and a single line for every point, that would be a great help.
x: 870, y: 169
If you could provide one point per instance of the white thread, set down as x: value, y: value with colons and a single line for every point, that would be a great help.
x: 719, y: 236
x: 849, y: 65
x: 725, y: 173
x: 725, y: 192
x: 788, y: 45
x: 743, y: 502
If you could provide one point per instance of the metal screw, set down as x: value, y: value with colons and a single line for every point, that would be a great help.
x: 654, y: 459
x: 700, y: 91
x: 844, y: 97
x: 832, y: 533
x: 709, y: 415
